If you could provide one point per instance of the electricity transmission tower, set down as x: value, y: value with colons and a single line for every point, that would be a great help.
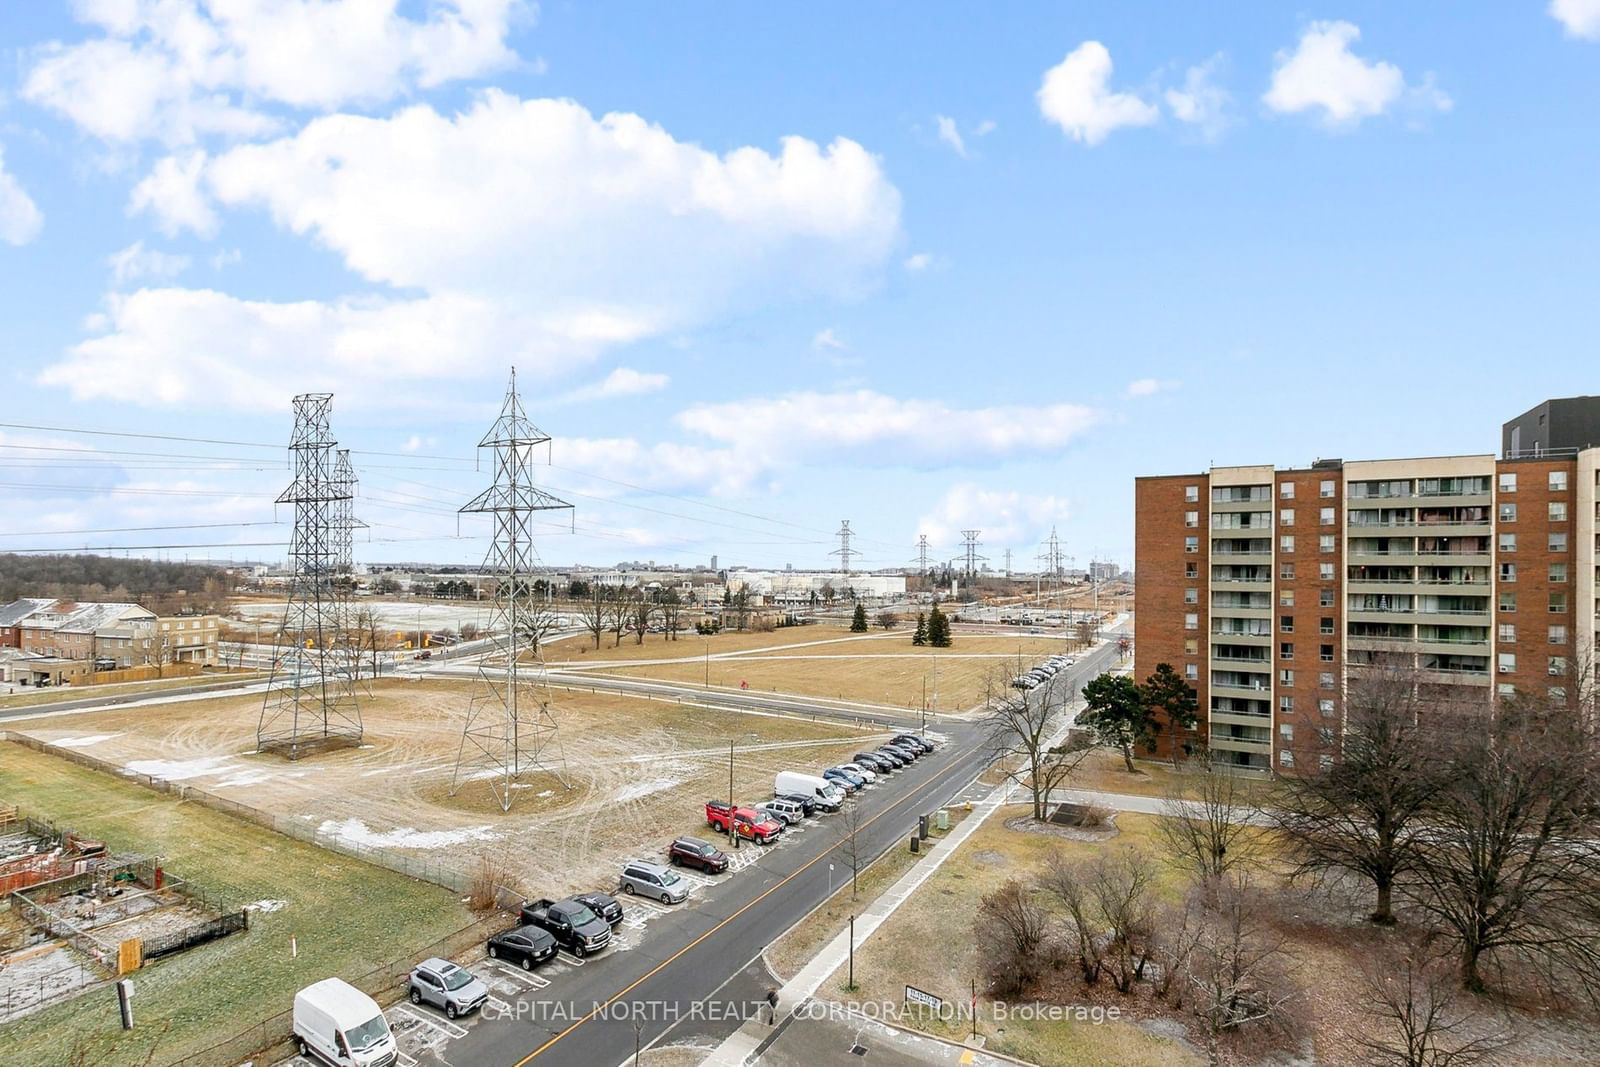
x: 344, y: 525
x: 922, y: 553
x: 969, y: 552
x: 844, y: 551
x: 310, y: 701
x: 1008, y: 563
x: 510, y: 729
x: 1051, y: 563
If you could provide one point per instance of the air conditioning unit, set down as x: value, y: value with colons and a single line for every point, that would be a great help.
x: 1505, y: 668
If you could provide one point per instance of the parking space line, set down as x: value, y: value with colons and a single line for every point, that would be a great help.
x: 448, y: 1029
x: 566, y: 957
x: 528, y: 978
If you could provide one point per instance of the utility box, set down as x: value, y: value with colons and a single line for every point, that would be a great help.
x: 942, y: 819
x: 922, y: 827
x: 916, y: 843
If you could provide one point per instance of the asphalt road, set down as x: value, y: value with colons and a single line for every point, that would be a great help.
x: 694, y: 969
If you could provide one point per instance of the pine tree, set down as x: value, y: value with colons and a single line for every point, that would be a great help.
x: 920, y: 635
x: 938, y: 628
x: 858, y: 623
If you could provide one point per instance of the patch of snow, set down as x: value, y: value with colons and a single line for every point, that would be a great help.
x: 645, y: 788
x: 356, y: 832
x: 83, y: 742
x: 268, y: 905
x: 246, y: 778
x: 178, y: 770
x: 546, y: 793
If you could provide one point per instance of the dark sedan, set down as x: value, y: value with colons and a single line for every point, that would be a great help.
x: 524, y: 946
x: 602, y: 904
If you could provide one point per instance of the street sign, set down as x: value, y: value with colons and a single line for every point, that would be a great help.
x: 927, y: 1000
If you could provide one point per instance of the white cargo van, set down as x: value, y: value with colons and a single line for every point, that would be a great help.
x: 335, y: 1022
x: 826, y: 794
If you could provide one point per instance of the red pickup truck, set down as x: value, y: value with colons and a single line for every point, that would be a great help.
x: 747, y: 822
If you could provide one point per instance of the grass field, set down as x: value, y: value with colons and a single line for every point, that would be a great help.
x: 634, y: 767
x: 871, y: 669
x: 580, y: 647
x: 201, y: 996
x: 27, y: 696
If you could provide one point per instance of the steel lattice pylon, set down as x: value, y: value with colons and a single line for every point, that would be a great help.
x: 310, y: 701
x: 344, y: 526
x: 510, y: 729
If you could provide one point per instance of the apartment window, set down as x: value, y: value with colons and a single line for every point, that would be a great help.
x: 1325, y: 516
x: 1191, y: 519
x: 1325, y: 490
x: 1285, y: 758
x: 1286, y: 490
x: 1191, y: 621
x: 1286, y: 677
x: 1506, y: 689
x: 1508, y: 542
x: 1286, y: 571
x: 1325, y: 762
x: 1558, y: 603
x: 1286, y: 729
x: 1508, y: 572
x: 1558, y: 635
x: 1558, y: 481
x: 1508, y: 632
x: 1325, y: 707
x: 1325, y: 598
x: 1286, y: 624
x: 1191, y: 596
x: 1558, y: 511
x: 1286, y: 517
x: 1325, y: 653
x: 1286, y: 650
x: 1508, y: 513
x: 1508, y: 483
x: 1558, y: 572
x: 1191, y: 494
x: 1508, y: 602
x: 1508, y: 662
x: 1557, y: 665
x: 1191, y: 647
x: 1325, y: 625
x: 1558, y: 694
x: 1325, y: 543
x: 1191, y: 672
x: 1286, y: 543
x: 1191, y: 570
x: 1286, y: 705
x: 1325, y: 735
x: 1286, y: 598
x: 1191, y: 544
x: 1325, y: 680
x: 1558, y: 542
x: 1325, y: 572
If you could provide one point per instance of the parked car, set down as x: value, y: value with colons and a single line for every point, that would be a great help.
x: 602, y: 904
x: 907, y: 754
x: 893, y: 760
x: 446, y: 986
x: 785, y: 811
x: 337, y: 1023
x: 848, y: 780
x: 746, y: 822
x: 693, y: 852
x: 920, y: 743
x: 654, y: 881
x: 862, y: 770
x: 524, y: 946
x: 827, y: 797
x: 808, y: 804
x: 572, y: 923
x: 873, y: 761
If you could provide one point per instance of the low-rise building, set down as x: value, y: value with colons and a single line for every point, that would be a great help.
x: 188, y: 639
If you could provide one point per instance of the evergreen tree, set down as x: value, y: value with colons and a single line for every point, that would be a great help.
x: 920, y: 635
x: 858, y: 623
x: 938, y: 628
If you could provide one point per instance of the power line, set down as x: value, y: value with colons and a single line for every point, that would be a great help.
x: 139, y: 529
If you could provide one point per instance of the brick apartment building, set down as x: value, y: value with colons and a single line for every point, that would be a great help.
x: 1268, y: 588
x: 115, y: 635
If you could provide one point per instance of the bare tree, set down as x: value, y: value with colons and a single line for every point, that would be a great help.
x: 888, y: 620
x: 1010, y: 931
x: 1507, y: 865
x: 1025, y: 732
x: 1422, y: 1016
x: 619, y: 610
x: 671, y: 605
x: 1110, y: 902
x: 1239, y: 967
x: 1208, y: 821
x: 1366, y: 814
x: 852, y: 847
x: 595, y: 611
x: 536, y: 621
x: 1066, y: 881
x: 643, y: 609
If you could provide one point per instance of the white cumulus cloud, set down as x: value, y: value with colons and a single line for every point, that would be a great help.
x: 176, y: 70
x: 950, y: 135
x: 1005, y: 516
x: 20, y: 218
x: 1076, y: 96
x: 136, y: 261
x: 624, y: 381
x: 1150, y: 386
x: 529, y: 224
x: 1200, y: 102
x: 1322, y: 75
x: 1580, y: 18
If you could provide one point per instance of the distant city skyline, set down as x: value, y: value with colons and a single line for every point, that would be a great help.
x: 762, y: 271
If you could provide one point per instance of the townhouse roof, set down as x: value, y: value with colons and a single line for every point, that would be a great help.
x: 18, y: 610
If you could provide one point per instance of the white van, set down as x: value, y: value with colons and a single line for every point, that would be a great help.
x: 335, y: 1022
x: 826, y: 794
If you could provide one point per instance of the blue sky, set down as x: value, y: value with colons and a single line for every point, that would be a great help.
x: 925, y: 267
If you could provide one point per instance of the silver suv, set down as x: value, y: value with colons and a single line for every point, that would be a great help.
x: 785, y: 811
x: 444, y: 985
x: 654, y: 881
